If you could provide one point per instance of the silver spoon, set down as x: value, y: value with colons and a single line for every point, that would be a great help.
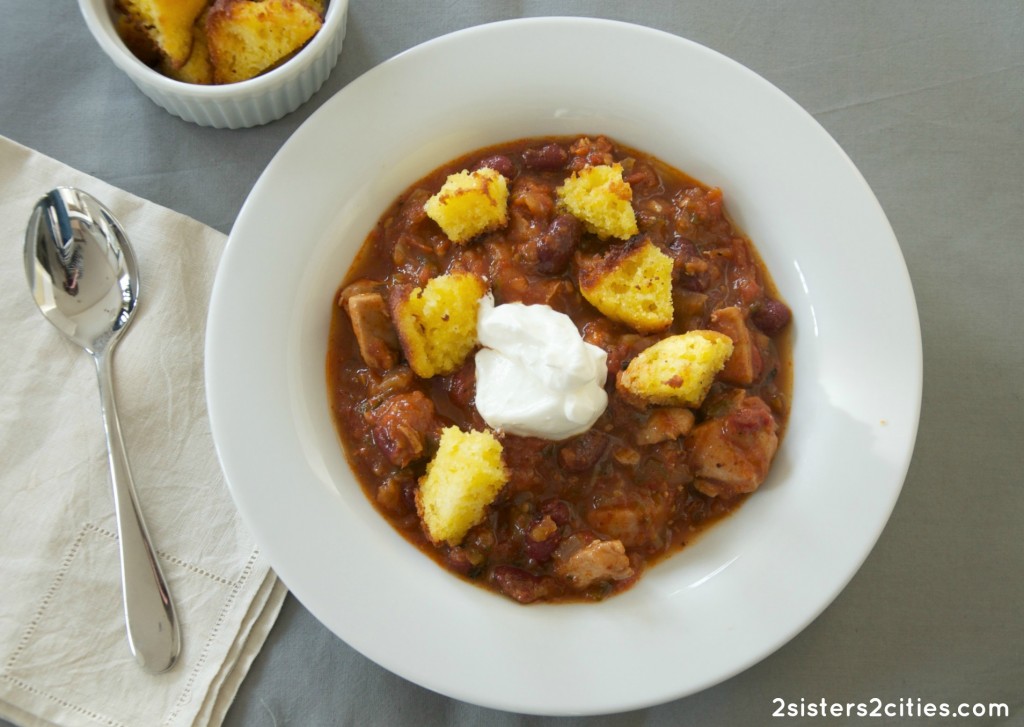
x: 82, y: 274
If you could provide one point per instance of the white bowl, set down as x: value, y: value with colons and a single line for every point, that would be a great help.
x: 747, y: 585
x: 253, y: 102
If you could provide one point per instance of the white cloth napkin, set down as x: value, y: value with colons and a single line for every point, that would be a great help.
x: 64, y: 657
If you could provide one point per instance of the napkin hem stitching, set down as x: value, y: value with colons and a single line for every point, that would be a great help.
x: 60, y: 577
x: 186, y: 692
x: 95, y: 716
x: 44, y: 604
x: 65, y: 566
x: 196, y: 569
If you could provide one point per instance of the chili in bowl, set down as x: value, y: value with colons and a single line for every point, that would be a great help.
x: 574, y: 517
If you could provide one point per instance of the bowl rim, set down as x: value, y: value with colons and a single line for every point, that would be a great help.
x: 97, y: 15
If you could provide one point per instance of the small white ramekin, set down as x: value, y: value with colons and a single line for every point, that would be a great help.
x: 253, y: 102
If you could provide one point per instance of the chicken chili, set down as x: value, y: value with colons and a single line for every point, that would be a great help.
x: 682, y: 369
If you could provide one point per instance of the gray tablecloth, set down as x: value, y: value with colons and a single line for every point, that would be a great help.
x: 927, y: 98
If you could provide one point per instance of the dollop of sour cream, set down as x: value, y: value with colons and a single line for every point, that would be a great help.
x: 535, y: 375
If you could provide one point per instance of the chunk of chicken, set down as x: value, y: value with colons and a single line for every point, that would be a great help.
x: 401, y: 425
x: 665, y: 424
x: 637, y: 521
x: 744, y: 366
x: 730, y: 455
x: 598, y: 560
x: 371, y: 323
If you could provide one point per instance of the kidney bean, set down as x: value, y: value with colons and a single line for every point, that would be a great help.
x: 642, y: 176
x: 771, y: 316
x: 409, y: 489
x: 541, y: 538
x: 548, y: 158
x: 458, y: 560
x: 499, y: 163
x: 519, y: 584
x: 582, y: 452
x: 541, y: 550
x: 556, y: 246
x: 461, y: 386
x: 558, y: 510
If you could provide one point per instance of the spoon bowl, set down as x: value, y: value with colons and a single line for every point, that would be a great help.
x: 70, y: 233
x: 84, y: 278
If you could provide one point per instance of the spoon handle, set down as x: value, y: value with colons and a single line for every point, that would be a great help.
x: 149, y: 612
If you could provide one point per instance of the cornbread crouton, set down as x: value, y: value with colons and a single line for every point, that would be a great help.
x: 632, y: 284
x: 247, y: 37
x: 470, y: 203
x: 197, y: 69
x: 599, y: 198
x: 168, y: 23
x: 436, y: 324
x: 137, y: 40
x: 462, y: 479
x: 677, y: 370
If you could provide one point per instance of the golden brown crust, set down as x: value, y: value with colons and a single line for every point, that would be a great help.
x: 138, y: 40
x: 168, y: 23
x: 601, y: 200
x: 469, y: 204
x: 247, y: 38
x: 197, y: 69
x: 631, y: 284
x: 464, y: 477
x: 676, y: 371
x: 436, y: 324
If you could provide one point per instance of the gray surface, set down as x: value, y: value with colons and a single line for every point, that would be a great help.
x: 928, y: 101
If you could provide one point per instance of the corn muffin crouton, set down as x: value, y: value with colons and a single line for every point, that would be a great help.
x: 462, y: 479
x: 677, y: 370
x: 247, y: 37
x: 470, y: 203
x: 138, y: 40
x: 599, y: 198
x: 436, y: 324
x: 632, y: 284
x: 168, y: 23
x: 197, y: 69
